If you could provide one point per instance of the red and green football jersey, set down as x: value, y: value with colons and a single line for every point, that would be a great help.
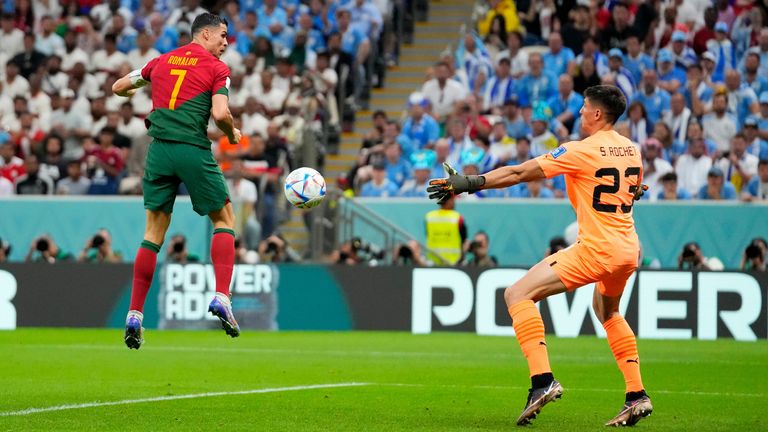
x: 183, y: 82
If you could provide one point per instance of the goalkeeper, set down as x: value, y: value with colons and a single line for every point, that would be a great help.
x: 603, y: 176
x: 189, y: 84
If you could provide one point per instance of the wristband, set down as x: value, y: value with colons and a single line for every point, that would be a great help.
x: 137, y: 80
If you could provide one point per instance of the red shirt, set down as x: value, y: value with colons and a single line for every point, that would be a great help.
x: 110, y: 156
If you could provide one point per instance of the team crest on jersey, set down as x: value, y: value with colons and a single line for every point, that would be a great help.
x: 557, y: 152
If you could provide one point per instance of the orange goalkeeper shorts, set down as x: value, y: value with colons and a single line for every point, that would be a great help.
x: 577, y: 266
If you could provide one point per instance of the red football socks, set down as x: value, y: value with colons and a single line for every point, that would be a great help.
x: 223, y: 258
x: 143, y: 270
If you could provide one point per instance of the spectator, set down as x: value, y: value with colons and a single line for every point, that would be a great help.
x: 742, y: 100
x: 692, y: 258
x: 692, y: 167
x: 754, y: 255
x: 523, y: 151
x: 705, y: 33
x: 558, y: 59
x: 45, y: 249
x: 670, y: 190
x: 513, y: 119
x: 723, y: 51
x: 670, y: 77
x: 422, y: 163
x: 502, y: 146
x: 652, y: 97
x: 717, y: 188
x: 719, y: 125
x: 478, y: 248
x: 762, y: 51
x: 566, y: 106
x: 635, y: 60
x: 458, y: 139
x: 104, y: 164
x: 14, y: 85
x: 755, y: 146
x: 542, y: 140
x: 11, y: 166
x: 518, y: 58
x: 108, y: 60
x: 738, y: 165
x: 53, y: 165
x: 698, y: 95
x: 74, y: 183
x: 271, y: 97
x: 587, y: 75
x: 577, y: 28
x: 639, y: 126
x: 537, y: 85
x: 49, y: 43
x: 663, y: 133
x: 398, y: 168
x: 420, y: 127
x: 144, y: 51
x: 503, y: 8
x: 591, y: 50
x: 654, y: 167
x: 677, y: 119
x: 6, y: 187
x: 499, y: 88
x: 33, y: 182
x: 27, y: 61
x: 379, y: 185
x: 376, y: 134
x: 682, y: 54
x: 445, y: 234
x: 275, y: 249
x: 751, y: 76
x: 496, y: 40
x: 244, y: 195
x: 177, y: 251
x: 98, y: 249
x: 473, y: 63
x: 757, y: 188
x: 622, y: 77
x: 13, y: 38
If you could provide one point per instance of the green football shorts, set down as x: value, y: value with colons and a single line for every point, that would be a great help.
x: 171, y: 163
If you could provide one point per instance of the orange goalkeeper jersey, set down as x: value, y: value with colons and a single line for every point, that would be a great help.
x: 602, y: 173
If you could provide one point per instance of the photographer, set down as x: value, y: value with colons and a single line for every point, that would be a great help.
x: 99, y: 249
x: 5, y: 250
x: 754, y: 255
x: 691, y: 258
x: 44, y: 249
x: 356, y: 251
x: 409, y: 253
x: 274, y: 249
x: 478, y: 248
x: 177, y: 251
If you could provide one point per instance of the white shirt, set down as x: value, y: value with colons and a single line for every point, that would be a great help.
x: 18, y: 87
x: 6, y: 187
x: 101, y: 60
x: 519, y: 63
x: 69, y: 60
x: 54, y: 83
x: 51, y: 44
x: 748, y: 163
x: 273, y: 100
x: 692, y: 172
x: 677, y: 124
x: 652, y: 179
x: 244, y: 191
x: 133, y: 129
x: 13, y: 43
x: 719, y: 130
x: 254, y: 124
x: 137, y: 59
x: 443, y: 99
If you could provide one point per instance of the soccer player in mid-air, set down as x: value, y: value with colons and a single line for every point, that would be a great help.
x: 189, y: 84
x: 603, y: 175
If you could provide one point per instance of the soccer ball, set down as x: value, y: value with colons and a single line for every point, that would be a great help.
x: 304, y: 188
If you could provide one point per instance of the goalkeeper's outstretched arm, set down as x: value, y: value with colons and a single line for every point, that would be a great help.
x: 511, y: 175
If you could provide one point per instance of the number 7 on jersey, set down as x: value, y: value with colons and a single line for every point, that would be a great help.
x: 180, y: 74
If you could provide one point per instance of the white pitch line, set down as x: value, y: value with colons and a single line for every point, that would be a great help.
x: 29, y: 411
x: 600, y: 390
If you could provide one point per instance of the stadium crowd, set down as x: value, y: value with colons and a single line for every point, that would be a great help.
x: 296, y: 68
x: 694, y: 72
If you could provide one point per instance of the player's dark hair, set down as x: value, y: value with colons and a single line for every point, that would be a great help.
x: 207, y: 20
x: 609, y: 98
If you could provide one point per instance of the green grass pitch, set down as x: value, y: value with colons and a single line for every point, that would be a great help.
x: 386, y: 382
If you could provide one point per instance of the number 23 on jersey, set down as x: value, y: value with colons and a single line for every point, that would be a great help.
x: 614, y: 188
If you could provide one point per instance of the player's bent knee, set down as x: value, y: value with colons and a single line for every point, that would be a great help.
x: 515, y: 294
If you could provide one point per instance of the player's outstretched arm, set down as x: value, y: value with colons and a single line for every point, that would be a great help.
x: 127, y: 85
x: 455, y: 184
x: 223, y: 118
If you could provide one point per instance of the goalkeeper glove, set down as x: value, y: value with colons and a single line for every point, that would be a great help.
x: 640, y: 192
x: 444, y: 188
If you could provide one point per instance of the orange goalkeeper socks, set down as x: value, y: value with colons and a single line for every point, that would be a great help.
x: 529, y: 329
x: 624, y: 346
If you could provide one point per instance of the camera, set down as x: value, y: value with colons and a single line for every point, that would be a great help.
x: 474, y: 245
x: 366, y: 251
x: 272, y: 247
x: 689, y: 253
x: 178, y: 246
x: 42, y: 245
x: 753, y: 251
x: 97, y: 241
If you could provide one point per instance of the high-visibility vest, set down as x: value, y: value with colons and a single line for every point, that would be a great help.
x: 443, y: 236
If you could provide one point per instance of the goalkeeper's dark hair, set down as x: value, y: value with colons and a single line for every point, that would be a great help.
x: 609, y: 98
x: 207, y: 20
